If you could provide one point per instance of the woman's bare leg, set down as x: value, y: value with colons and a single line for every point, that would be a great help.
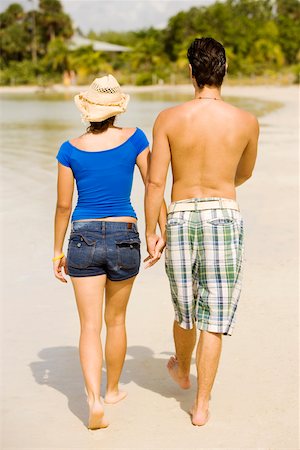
x: 117, y: 296
x: 89, y: 297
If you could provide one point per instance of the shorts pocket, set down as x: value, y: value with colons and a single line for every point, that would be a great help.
x: 80, y: 251
x: 175, y: 221
x: 221, y: 222
x: 128, y: 253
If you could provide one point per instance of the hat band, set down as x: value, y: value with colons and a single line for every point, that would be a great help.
x: 99, y: 104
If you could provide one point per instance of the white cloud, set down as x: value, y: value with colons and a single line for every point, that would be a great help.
x: 119, y: 15
x: 126, y: 14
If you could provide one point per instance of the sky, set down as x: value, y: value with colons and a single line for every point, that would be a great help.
x: 118, y: 15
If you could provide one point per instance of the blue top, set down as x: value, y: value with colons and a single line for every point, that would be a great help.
x: 103, y: 178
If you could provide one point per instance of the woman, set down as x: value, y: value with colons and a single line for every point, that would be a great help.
x: 104, y: 246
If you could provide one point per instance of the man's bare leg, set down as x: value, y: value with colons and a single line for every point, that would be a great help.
x: 207, y: 360
x: 179, y: 366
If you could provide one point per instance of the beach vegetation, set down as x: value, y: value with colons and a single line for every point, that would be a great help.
x: 261, y: 38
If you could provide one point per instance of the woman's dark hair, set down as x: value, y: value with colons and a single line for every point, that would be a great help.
x: 208, y: 60
x: 99, y: 127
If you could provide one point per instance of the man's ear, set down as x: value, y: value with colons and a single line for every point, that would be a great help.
x: 226, y: 67
x: 190, y: 71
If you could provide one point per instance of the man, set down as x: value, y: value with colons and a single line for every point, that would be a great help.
x: 212, y: 148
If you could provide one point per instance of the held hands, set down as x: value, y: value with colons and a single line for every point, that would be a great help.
x: 155, y: 247
x: 60, y: 269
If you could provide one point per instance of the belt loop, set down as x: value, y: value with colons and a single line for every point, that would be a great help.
x: 220, y: 203
x: 196, y: 205
x: 72, y: 227
x: 172, y: 207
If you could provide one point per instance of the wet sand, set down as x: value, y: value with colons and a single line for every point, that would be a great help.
x: 254, y: 401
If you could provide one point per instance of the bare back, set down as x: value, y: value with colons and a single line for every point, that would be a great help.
x: 212, y: 145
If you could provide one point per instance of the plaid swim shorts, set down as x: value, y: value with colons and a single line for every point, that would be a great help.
x: 204, y: 255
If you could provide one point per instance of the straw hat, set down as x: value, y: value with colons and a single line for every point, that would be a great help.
x: 102, y: 100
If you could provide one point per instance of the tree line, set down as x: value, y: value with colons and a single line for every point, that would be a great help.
x: 261, y: 37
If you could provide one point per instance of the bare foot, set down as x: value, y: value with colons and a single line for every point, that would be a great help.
x: 114, y: 397
x: 184, y: 382
x: 199, y: 417
x: 96, y: 418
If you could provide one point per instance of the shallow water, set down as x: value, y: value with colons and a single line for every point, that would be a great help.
x: 34, y: 125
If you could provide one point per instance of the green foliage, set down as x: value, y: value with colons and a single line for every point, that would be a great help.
x: 87, y: 63
x: 143, y: 79
x: 32, y: 43
x: 256, y: 38
x: 296, y: 72
x: 52, y: 22
x: 288, y: 22
x: 56, y: 59
x: 12, y: 14
x: 260, y: 36
x: 23, y: 72
x: 14, y: 42
x: 13, y: 34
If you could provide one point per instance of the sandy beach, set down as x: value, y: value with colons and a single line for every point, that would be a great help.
x: 255, y: 398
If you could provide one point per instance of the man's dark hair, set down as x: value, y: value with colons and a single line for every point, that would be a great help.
x: 99, y: 127
x: 208, y: 60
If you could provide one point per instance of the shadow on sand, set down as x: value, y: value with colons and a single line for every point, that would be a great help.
x: 60, y: 369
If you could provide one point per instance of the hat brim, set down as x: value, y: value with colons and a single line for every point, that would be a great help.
x: 91, y: 112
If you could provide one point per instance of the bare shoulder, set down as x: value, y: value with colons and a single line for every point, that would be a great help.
x: 249, y: 117
x: 175, y: 110
x: 251, y: 121
x: 127, y: 132
x: 167, y: 115
x: 242, y: 115
x: 77, y: 140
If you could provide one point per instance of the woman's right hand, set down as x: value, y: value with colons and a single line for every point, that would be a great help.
x: 60, y: 269
x: 155, y: 248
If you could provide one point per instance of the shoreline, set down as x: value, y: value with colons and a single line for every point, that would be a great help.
x: 278, y: 95
x: 275, y: 95
x: 180, y: 88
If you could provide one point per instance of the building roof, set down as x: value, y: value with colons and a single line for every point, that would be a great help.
x: 100, y: 46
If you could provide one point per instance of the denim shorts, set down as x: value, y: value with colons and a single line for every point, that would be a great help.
x: 104, y: 248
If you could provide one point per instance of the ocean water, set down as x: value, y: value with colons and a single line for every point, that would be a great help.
x: 34, y: 126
